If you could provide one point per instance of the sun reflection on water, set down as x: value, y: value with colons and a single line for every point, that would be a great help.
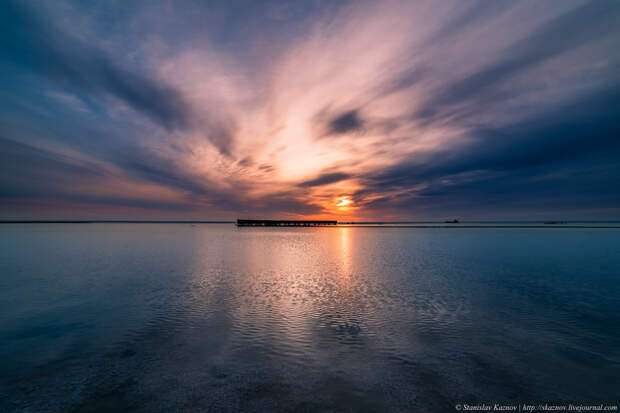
x: 345, y: 252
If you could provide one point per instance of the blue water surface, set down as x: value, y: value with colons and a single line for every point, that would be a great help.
x: 211, y: 317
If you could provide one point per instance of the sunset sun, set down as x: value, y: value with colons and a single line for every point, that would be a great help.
x: 343, y: 203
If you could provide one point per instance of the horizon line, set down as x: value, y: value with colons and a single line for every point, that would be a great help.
x: 131, y: 221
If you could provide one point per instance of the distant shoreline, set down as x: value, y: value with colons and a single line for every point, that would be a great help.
x: 373, y: 224
x: 100, y: 221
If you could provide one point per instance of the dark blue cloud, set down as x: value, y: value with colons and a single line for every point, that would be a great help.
x: 325, y: 179
x: 345, y: 122
x: 569, y: 153
x: 476, y: 12
x: 46, y: 177
x: 35, y: 44
x: 145, y: 165
x: 28, y: 171
x: 582, y: 25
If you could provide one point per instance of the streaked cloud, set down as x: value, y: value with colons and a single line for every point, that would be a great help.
x: 407, y: 110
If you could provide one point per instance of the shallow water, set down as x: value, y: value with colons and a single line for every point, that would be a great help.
x: 179, y: 317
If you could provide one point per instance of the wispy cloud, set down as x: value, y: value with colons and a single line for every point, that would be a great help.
x: 408, y: 109
x: 37, y: 45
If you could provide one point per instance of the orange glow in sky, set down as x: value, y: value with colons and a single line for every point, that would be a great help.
x: 352, y: 111
x: 343, y: 203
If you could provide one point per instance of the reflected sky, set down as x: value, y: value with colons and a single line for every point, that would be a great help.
x: 161, y: 317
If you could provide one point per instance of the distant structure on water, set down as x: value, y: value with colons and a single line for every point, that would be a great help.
x: 282, y: 223
x: 452, y: 221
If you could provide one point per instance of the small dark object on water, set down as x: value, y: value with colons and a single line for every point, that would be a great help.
x: 452, y: 221
x: 282, y: 223
x: 555, y: 222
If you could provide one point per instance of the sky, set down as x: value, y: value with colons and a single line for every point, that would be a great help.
x: 348, y: 110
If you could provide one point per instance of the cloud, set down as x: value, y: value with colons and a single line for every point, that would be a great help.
x: 38, y: 45
x: 146, y: 165
x: 567, y: 153
x: 560, y: 35
x: 406, y: 108
x: 28, y: 171
x: 347, y: 122
x: 325, y: 179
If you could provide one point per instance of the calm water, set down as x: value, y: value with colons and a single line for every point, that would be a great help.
x: 178, y: 317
